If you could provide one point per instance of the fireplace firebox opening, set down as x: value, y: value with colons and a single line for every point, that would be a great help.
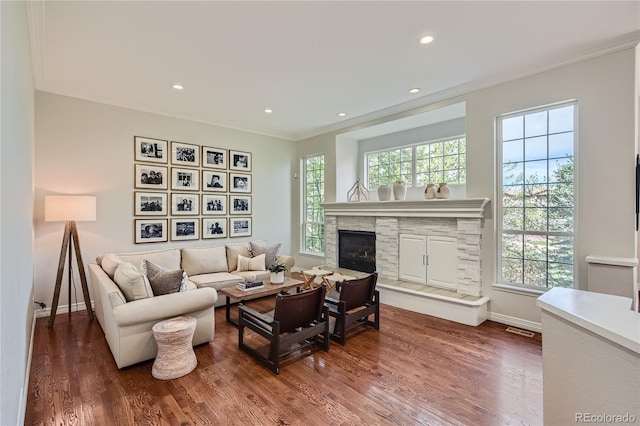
x: 357, y: 250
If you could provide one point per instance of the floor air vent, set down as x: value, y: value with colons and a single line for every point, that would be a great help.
x: 525, y: 333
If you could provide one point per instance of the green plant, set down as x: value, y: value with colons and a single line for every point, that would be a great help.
x: 277, y: 267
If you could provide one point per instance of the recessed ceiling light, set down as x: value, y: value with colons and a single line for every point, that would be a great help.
x: 414, y: 90
x: 426, y: 40
x: 178, y: 86
x: 342, y: 114
x: 268, y: 111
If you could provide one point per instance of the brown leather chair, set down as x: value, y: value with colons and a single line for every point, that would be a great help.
x: 299, y: 320
x: 351, y: 305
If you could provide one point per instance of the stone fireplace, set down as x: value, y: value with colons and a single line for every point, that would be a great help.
x: 457, y: 219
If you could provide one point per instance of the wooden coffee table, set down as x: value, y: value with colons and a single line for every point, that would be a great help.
x: 268, y: 289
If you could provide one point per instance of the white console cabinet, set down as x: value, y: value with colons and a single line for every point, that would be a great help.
x: 426, y: 259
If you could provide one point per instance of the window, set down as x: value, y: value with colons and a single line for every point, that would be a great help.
x: 536, y: 188
x: 313, y: 197
x: 418, y: 165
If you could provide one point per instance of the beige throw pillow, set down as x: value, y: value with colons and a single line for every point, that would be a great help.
x: 132, y: 282
x: 110, y: 263
x: 162, y: 280
x: 251, y: 263
x: 235, y: 250
x: 271, y: 252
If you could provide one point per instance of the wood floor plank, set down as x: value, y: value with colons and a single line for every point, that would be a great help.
x: 415, y: 370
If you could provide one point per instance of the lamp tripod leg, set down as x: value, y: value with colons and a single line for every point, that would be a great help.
x: 83, y: 277
x: 70, y: 232
x: 56, y: 293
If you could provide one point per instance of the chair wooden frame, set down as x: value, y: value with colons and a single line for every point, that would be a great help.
x: 358, y: 300
x: 300, y: 317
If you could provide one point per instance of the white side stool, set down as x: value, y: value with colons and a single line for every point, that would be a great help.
x: 175, y: 357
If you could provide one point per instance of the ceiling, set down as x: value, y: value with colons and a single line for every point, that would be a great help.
x: 309, y: 60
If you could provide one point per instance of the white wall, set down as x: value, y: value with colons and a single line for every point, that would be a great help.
x: 604, y: 88
x: 16, y: 207
x: 85, y: 147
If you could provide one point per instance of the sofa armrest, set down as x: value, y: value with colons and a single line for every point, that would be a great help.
x: 287, y: 260
x: 165, y: 306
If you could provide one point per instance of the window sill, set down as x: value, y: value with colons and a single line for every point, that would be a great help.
x: 524, y: 291
x: 311, y: 254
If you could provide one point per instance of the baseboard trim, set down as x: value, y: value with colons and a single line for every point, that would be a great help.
x: 64, y: 309
x: 516, y: 322
x: 22, y: 405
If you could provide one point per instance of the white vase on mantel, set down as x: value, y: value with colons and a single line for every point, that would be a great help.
x: 384, y: 193
x: 430, y: 192
x: 399, y: 190
x: 443, y: 191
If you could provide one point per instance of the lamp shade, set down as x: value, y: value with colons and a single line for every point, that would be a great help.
x: 63, y: 208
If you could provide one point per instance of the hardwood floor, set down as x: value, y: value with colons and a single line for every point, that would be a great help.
x: 416, y: 370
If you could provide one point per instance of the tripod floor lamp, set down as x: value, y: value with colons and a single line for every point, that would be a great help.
x: 69, y: 208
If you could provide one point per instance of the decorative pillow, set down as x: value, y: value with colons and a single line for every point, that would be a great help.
x: 272, y: 252
x: 133, y: 283
x: 204, y: 260
x: 251, y: 263
x: 235, y: 250
x: 110, y: 263
x: 163, y: 281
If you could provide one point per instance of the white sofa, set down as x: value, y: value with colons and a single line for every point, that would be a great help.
x: 127, y: 324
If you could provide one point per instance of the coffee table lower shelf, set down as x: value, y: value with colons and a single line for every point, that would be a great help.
x: 267, y: 289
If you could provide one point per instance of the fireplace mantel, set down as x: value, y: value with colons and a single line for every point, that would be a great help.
x: 457, y: 208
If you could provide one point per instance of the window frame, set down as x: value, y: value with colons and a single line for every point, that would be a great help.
x: 499, y: 204
x: 414, y: 172
x: 303, y: 207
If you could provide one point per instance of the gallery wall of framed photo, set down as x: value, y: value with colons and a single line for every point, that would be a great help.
x: 184, y: 191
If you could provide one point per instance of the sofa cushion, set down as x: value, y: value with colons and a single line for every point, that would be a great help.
x: 233, y: 251
x: 163, y: 281
x: 251, y: 263
x: 167, y: 258
x: 205, y: 260
x: 271, y: 252
x: 110, y: 263
x: 216, y: 280
x: 132, y: 282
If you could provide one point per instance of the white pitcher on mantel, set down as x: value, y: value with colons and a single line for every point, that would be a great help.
x: 399, y: 190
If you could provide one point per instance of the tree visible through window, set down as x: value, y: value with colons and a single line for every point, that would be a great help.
x: 536, y: 197
x: 313, y: 197
x: 418, y: 165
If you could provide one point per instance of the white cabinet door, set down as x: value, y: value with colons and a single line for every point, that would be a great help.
x: 413, y: 258
x: 442, y: 264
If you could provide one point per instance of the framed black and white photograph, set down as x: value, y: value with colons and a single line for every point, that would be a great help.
x: 214, y: 228
x: 185, y: 154
x: 214, y: 158
x: 185, y: 179
x: 240, y: 204
x: 150, y: 230
x: 148, y: 176
x: 239, y: 227
x: 239, y: 160
x: 150, y: 203
x: 184, y: 204
x: 214, y: 181
x: 213, y: 204
x: 239, y: 182
x: 150, y: 150
x: 185, y: 229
